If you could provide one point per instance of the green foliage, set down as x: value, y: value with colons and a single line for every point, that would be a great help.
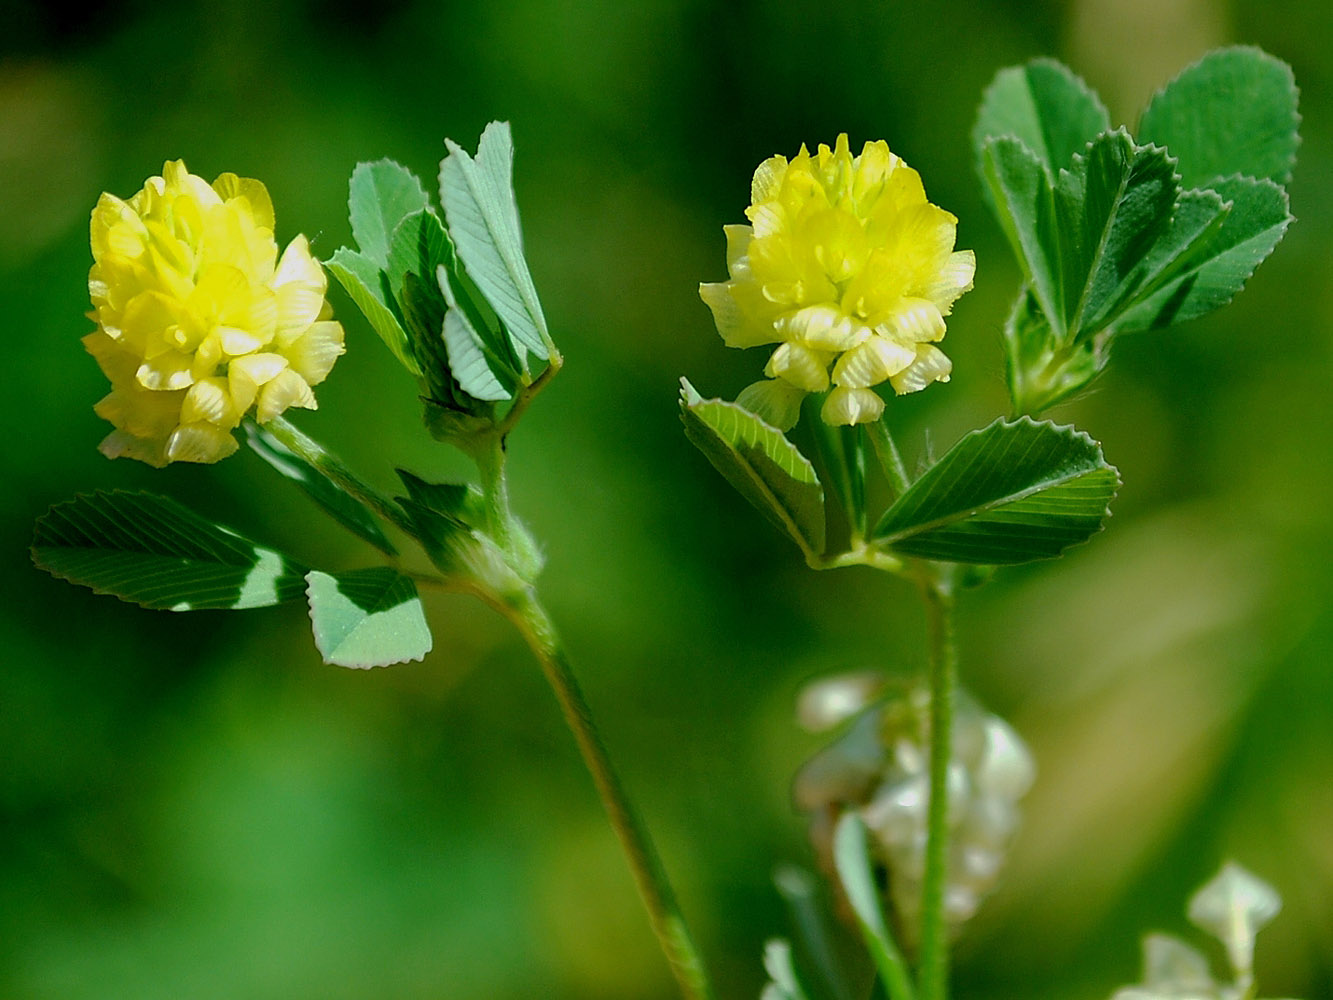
x: 456, y: 306
x: 1010, y: 493
x: 1216, y: 265
x: 364, y: 284
x: 1044, y: 106
x: 381, y: 195
x: 367, y: 617
x: 1232, y: 112
x: 1116, y: 235
x: 153, y: 552
x: 320, y: 486
x: 479, y: 204
x: 450, y: 521
x: 762, y: 464
x: 482, y: 365
x: 851, y: 856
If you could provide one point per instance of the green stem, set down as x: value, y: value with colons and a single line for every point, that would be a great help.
x: 933, y: 971
x: 311, y: 451
x: 664, y: 912
x: 495, y: 489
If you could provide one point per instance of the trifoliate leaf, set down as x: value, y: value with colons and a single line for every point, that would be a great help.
x: 154, y: 552
x: 1113, y: 204
x: 367, y: 617
x: 418, y: 246
x: 479, y: 205
x: 1218, y: 266
x: 1010, y: 493
x: 1232, y: 112
x: 762, y: 464
x: 366, y: 285
x: 381, y: 195
x: 1045, y: 107
x: 482, y: 375
x: 1025, y: 207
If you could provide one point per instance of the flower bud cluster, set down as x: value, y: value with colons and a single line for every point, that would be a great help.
x: 199, y: 320
x: 850, y: 271
x: 880, y: 767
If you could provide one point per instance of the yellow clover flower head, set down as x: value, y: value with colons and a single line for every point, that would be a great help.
x: 850, y: 271
x: 199, y: 321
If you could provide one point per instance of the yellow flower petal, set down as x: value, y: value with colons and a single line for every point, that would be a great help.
x: 913, y: 321
x: 201, y: 442
x: 871, y: 363
x: 312, y: 355
x: 768, y: 179
x: 258, y: 203
x: 169, y: 370
x: 845, y: 263
x: 246, y: 375
x: 774, y: 401
x: 951, y: 281
x: 731, y: 320
x: 286, y: 389
x: 931, y: 365
x: 209, y: 400
x: 802, y: 367
x: 738, y: 247
x: 845, y: 406
x: 824, y: 328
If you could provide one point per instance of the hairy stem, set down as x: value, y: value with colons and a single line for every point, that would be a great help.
x: 933, y: 971
x: 494, y: 487
x: 654, y: 888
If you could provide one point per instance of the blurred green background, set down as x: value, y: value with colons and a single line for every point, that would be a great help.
x: 195, y: 807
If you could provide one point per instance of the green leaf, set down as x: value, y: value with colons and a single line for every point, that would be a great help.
x: 460, y: 502
x: 1113, y: 204
x: 851, y: 857
x: 380, y: 196
x: 478, y: 369
x: 1045, y: 107
x: 153, y: 552
x: 367, y: 617
x: 479, y: 204
x: 1232, y: 112
x: 1025, y: 207
x: 1107, y: 233
x: 346, y: 509
x: 1218, y: 267
x: 365, y: 284
x: 762, y: 464
x: 419, y: 246
x: 1009, y: 493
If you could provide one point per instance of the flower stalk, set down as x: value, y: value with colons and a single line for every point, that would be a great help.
x: 668, y: 922
x: 525, y: 611
x: 933, y: 968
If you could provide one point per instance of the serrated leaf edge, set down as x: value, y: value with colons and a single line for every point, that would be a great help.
x: 1025, y: 419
